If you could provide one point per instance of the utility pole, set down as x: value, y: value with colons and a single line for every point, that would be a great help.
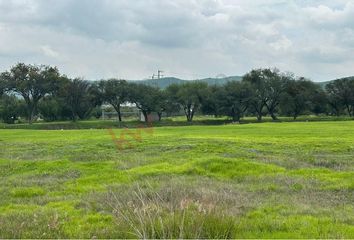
x: 159, y: 75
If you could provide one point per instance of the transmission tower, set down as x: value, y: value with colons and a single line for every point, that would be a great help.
x: 157, y: 77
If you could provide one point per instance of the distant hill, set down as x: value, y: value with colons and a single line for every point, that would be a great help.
x: 165, y: 82
x: 323, y: 84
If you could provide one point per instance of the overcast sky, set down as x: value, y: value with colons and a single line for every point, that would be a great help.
x: 190, y: 39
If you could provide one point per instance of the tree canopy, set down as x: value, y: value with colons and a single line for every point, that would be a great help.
x: 32, y: 91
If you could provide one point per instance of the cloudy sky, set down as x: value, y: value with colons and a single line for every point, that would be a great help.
x: 190, y: 39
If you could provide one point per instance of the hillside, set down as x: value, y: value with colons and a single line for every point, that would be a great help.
x: 165, y: 82
x: 323, y: 84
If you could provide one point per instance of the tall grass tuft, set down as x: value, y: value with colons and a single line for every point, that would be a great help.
x: 169, y: 214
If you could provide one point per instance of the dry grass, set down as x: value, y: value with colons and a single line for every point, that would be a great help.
x: 178, y: 209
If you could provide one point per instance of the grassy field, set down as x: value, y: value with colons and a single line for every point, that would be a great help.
x: 267, y: 180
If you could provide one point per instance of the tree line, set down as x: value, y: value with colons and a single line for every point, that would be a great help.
x: 38, y: 90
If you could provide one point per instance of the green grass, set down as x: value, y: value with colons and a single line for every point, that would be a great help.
x: 267, y: 180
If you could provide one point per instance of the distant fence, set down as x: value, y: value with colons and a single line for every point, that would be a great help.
x: 114, y: 115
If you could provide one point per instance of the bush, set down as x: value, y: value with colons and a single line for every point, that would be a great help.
x: 10, y: 108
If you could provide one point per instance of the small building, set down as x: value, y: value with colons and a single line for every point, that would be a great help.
x: 153, y: 117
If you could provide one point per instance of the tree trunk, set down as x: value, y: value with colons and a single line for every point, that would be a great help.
x: 189, y: 118
x: 349, y: 109
x: 117, y: 108
x: 192, y: 115
x: 187, y: 112
x: 30, y: 115
x: 271, y: 111
x: 259, y: 109
x: 259, y: 113
x: 273, y: 116
x: 30, y: 118
x: 236, y: 118
x: 159, y: 114
x: 336, y: 112
x: 233, y: 114
x: 73, y: 116
x: 119, y: 115
x: 145, y: 116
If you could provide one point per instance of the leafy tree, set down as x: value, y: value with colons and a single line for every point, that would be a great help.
x: 341, y: 95
x: 319, y: 102
x: 115, y: 92
x: 267, y: 88
x: 259, y: 95
x: 189, y: 96
x: 53, y: 106
x: 235, y: 99
x: 275, y: 86
x: 2, y: 85
x: 146, y: 98
x: 32, y: 82
x: 298, y: 97
x: 212, y: 102
x: 50, y: 108
x: 80, y: 97
x: 162, y: 104
x: 10, y: 108
x: 171, y: 98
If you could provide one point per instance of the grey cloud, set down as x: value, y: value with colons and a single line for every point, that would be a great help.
x: 111, y: 38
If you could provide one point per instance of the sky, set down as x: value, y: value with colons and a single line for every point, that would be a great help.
x: 190, y: 39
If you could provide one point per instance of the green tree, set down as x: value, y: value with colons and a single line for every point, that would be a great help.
x: 267, y: 88
x: 50, y: 108
x: 162, y: 103
x: 319, y: 102
x: 259, y: 95
x: 341, y: 95
x: 298, y: 97
x: 114, y: 92
x: 2, y: 85
x: 171, y: 98
x: 53, y: 106
x: 275, y: 86
x: 189, y: 96
x: 212, y: 101
x: 80, y: 97
x: 146, y: 98
x: 10, y: 108
x: 236, y: 98
x: 32, y: 82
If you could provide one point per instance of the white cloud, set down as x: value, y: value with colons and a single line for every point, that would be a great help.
x: 48, y: 51
x: 282, y: 44
x: 324, y: 15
